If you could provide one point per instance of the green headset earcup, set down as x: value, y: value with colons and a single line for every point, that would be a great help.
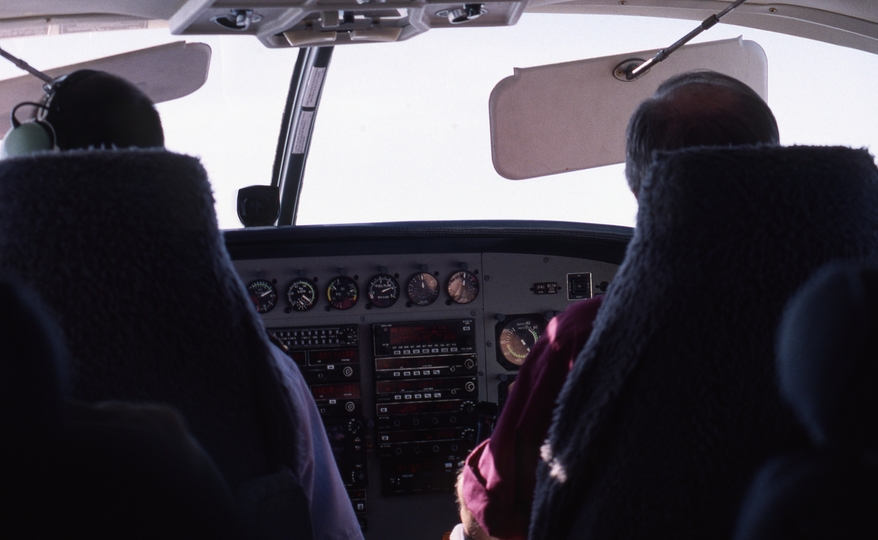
x: 27, y: 138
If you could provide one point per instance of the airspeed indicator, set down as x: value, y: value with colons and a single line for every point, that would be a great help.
x: 263, y: 295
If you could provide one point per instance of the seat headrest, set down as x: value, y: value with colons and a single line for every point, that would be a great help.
x: 33, y: 361
x: 828, y: 356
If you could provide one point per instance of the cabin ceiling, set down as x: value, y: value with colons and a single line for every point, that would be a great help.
x: 285, y: 23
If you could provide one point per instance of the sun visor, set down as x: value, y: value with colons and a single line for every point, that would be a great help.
x: 572, y: 116
x: 164, y: 73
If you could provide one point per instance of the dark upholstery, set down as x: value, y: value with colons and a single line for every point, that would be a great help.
x: 828, y: 371
x: 111, y: 470
x: 672, y: 406
x: 123, y: 247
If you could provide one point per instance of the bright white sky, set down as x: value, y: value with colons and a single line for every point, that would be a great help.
x: 402, y: 133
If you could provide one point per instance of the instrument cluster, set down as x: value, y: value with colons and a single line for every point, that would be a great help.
x: 381, y: 290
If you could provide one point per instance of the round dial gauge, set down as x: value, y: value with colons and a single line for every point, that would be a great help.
x: 423, y: 289
x: 518, y: 336
x: 263, y: 295
x: 463, y: 287
x: 302, y: 294
x: 342, y: 292
x: 383, y: 290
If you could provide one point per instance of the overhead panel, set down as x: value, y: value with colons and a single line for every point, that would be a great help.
x: 305, y: 23
x: 572, y: 116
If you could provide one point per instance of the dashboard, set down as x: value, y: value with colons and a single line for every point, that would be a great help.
x: 410, y: 336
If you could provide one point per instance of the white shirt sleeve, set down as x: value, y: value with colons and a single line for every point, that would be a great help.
x: 332, y: 516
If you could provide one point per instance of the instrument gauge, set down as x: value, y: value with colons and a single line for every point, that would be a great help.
x: 342, y: 292
x: 302, y: 294
x: 263, y: 294
x: 383, y: 290
x: 463, y: 287
x: 423, y: 289
x: 517, y: 336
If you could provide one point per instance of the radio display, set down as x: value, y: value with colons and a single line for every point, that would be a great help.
x: 298, y: 357
x: 423, y: 334
x: 425, y: 337
x: 449, y: 434
x: 416, y: 362
x: 414, y: 385
x: 412, y: 467
x: 336, y: 391
x: 419, y: 407
x: 333, y: 356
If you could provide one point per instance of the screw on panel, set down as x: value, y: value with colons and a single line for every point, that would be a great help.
x: 772, y: 10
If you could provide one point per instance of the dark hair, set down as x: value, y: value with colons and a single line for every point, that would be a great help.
x: 697, y: 108
x: 94, y: 109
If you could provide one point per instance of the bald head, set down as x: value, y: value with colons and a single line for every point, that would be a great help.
x: 699, y: 108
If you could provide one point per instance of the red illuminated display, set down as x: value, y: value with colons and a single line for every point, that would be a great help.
x: 423, y: 435
x: 418, y: 408
x: 411, y: 467
x: 398, y: 362
x: 336, y: 391
x: 298, y: 356
x: 385, y: 387
x: 333, y: 356
x: 423, y: 335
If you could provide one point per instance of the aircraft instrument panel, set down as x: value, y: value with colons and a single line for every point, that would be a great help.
x: 401, y: 349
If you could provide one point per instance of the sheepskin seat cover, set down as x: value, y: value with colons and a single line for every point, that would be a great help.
x: 124, y: 249
x: 827, y: 363
x: 673, y: 405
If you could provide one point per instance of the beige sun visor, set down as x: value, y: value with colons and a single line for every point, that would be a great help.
x: 572, y: 116
x: 164, y: 73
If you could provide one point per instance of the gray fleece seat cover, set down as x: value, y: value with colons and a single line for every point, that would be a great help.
x: 672, y: 405
x: 124, y: 249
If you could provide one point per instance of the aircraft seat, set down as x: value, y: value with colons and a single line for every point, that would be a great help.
x: 828, y: 372
x: 672, y: 406
x: 110, y: 470
x: 124, y: 249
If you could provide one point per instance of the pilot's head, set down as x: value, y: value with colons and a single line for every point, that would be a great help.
x: 86, y: 109
x: 94, y: 109
x: 698, y: 108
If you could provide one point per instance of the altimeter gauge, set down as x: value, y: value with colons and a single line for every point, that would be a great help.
x: 383, y: 290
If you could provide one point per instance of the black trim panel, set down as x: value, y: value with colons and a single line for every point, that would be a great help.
x: 605, y: 243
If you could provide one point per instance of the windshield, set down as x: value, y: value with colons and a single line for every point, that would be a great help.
x: 402, y: 132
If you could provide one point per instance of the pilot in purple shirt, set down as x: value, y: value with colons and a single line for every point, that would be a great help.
x: 497, y: 483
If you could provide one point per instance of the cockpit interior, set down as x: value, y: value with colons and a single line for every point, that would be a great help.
x: 408, y: 192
